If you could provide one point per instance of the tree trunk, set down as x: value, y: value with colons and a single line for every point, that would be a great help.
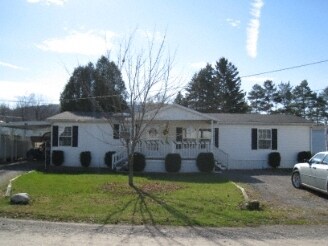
x: 130, y: 163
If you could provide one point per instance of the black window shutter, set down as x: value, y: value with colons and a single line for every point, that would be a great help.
x: 75, y: 136
x: 116, y: 131
x: 274, y: 139
x: 254, y: 138
x: 216, y: 137
x: 179, y: 134
x: 55, y: 136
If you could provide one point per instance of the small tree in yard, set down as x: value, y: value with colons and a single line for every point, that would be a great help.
x: 147, y: 74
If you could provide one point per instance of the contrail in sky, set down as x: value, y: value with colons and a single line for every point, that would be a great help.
x: 253, y: 28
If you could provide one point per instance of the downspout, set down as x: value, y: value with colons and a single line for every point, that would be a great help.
x: 311, y: 129
x: 212, y: 135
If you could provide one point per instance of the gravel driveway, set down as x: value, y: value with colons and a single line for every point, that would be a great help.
x: 274, y: 188
x: 10, y: 171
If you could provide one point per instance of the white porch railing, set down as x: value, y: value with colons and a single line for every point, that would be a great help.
x: 160, y: 148
x: 221, y: 157
x: 119, y: 157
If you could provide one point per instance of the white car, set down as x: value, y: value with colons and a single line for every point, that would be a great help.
x: 312, y: 174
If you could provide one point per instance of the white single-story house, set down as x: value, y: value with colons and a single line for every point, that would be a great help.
x: 238, y: 141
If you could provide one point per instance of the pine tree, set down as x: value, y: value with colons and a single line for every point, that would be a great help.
x: 256, y: 97
x: 302, y: 96
x: 78, y: 90
x: 231, y: 97
x: 201, y: 91
x: 180, y: 99
x: 91, y: 89
x: 109, y: 89
x: 271, y: 96
x: 285, y: 98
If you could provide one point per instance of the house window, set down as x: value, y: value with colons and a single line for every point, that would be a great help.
x: 264, y: 138
x: 189, y: 133
x: 116, y: 131
x: 65, y: 136
x: 153, y: 133
x: 204, y: 134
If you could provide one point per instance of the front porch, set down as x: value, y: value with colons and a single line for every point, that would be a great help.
x: 158, y: 149
x: 155, y: 152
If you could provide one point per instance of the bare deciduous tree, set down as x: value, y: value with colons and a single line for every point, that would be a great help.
x: 147, y: 74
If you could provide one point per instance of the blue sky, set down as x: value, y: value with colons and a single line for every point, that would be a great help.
x: 42, y: 41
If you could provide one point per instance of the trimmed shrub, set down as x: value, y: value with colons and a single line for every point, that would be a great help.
x: 304, y: 156
x: 205, y: 162
x: 274, y: 159
x: 173, y: 163
x: 139, y: 162
x: 57, y: 157
x: 85, y: 158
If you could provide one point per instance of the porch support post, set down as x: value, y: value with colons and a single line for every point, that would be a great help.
x: 212, y: 135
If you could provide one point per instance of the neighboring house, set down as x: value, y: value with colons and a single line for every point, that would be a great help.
x: 16, y: 138
x: 238, y: 141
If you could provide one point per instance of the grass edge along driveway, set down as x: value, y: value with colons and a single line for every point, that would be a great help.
x: 157, y: 199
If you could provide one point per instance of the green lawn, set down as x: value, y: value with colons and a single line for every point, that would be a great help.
x: 167, y: 199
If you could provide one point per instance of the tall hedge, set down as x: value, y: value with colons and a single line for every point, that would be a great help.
x: 205, y: 162
x: 139, y: 162
x: 85, y: 158
x: 173, y: 163
x: 57, y: 157
x: 304, y: 156
x: 274, y: 159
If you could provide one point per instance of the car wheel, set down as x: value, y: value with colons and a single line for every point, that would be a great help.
x: 296, y: 180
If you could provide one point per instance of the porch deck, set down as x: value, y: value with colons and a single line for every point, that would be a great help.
x: 188, y: 150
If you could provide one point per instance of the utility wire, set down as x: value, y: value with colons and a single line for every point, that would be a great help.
x: 284, y: 69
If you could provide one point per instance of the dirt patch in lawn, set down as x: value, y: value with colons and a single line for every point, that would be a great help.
x: 154, y: 187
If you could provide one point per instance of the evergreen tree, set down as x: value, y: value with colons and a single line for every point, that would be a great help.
x: 324, y: 96
x: 302, y: 97
x: 78, y: 90
x: 230, y: 97
x: 216, y: 90
x: 285, y: 98
x: 318, y: 113
x: 95, y: 89
x: 109, y: 89
x: 271, y: 96
x: 201, y: 91
x: 256, y: 97
x: 180, y: 99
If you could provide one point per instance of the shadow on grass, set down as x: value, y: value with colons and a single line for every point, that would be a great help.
x: 143, y: 214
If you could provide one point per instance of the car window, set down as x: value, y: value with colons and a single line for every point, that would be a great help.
x: 317, y: 158
x: 325, y: 160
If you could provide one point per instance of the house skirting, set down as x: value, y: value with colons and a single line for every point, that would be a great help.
x: 187, y: 166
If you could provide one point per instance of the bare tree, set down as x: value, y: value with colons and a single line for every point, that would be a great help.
x: 147, y: 74
x: 34, y: 107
